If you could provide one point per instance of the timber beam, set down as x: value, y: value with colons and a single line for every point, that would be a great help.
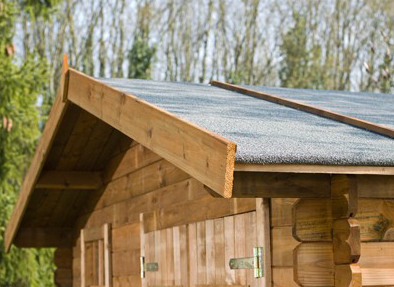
x: 281, y: 185
x: 31, y: 237
x: 69, y: 180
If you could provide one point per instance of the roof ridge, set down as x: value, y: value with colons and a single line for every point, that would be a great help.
x: 366, y: 125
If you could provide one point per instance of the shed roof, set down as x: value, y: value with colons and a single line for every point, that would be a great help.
x: 268, y: 133
x: 195, y: 127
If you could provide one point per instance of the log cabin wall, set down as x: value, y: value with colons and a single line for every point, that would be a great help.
x: 139, y: 181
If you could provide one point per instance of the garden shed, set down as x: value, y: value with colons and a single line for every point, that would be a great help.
x: 146, y: 183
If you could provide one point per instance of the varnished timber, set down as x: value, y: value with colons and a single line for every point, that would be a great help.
x: 204, y: 155
x: 346, y: 241
x: 379, y: 129
x: 69, y: 180
x: 312, y: 219
x: 280, y: 185
x: 51, y: 127
x: 43, y: 237
x: 316, y: 265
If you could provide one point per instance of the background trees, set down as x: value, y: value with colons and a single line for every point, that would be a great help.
x: 21, y: 83
x: 335, y: 44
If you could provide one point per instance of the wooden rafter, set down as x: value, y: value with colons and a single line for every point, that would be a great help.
x: 42, y: 151
x: 202, y: 154
x: 69, y: 180
x: 309, y: 109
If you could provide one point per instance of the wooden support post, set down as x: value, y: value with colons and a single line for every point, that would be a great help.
x: 346, y: 231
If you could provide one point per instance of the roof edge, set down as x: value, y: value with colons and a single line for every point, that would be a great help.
x: 202, y: 154
x: 312, y: 168
x: 57, y: 112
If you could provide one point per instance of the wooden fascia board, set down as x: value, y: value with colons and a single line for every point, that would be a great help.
x: 306, y: 168
x: 69, y: 180
x: 57, y: 112
x: 204, y: 155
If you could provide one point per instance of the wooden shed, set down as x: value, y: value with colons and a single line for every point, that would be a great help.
x: 145, y: 183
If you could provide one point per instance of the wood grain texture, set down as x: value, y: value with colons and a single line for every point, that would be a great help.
x: 280, y: 185
x: 313, y: 219
x: 204, y: 155
x: 315, y: 265
x: 69, y: 180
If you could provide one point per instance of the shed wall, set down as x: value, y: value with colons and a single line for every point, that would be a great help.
x: 139, y: 181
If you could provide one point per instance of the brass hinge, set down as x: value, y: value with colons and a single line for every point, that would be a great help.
x: 148, y: 267
x: 256, y: 262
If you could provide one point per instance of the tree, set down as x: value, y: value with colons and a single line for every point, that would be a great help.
x: 20, y: 86
x: 141, y: 54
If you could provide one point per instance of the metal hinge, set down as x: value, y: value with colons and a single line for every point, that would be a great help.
x: 256, y: 262
x: 148, y: 267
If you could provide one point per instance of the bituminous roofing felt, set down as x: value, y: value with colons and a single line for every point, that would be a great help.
x: 268, y: 133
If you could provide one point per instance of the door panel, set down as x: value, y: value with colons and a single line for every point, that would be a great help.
x: 198, y: 254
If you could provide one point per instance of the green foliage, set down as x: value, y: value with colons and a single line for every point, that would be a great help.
x: 141, y: 58
x: 300, y: 65
x: 20, y: 87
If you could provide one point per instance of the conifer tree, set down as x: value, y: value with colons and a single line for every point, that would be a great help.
x: 21, y: 83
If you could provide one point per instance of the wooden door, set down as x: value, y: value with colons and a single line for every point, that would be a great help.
x: 198, y: 254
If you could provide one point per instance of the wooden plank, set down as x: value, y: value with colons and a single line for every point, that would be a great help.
x: 107, y: 255
x: 177, y: 256
x: 201, y: 254
x: 93, y: 234
x: 375, y: 186
x: 280, y: 185
x: 281, y: 211
x: 315, y: 264
x: 313, y: 219
x: 194, y: 211
x: 220, y: 272
x: 283, y: 245
x: 36, y: 237
x: 210, y: 251
x: 204, y: 155
x: 193, y: 276
x: 312, y: 168
x: 83, y: 259
x: 183, y: 237
x: 136, y: 157
x: 346, y: 241
x: 348, y: 276
x: 51, y: 127
x: 264, y: 236
x: 170, y: 257
x: 69, y: 180
x: 240, y: 246
x: 379, y: 129
x: 229, y: 248
x: 283, y: 277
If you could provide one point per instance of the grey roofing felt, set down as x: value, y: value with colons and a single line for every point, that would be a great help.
x: 264, y: 132
x: 375, y: 108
